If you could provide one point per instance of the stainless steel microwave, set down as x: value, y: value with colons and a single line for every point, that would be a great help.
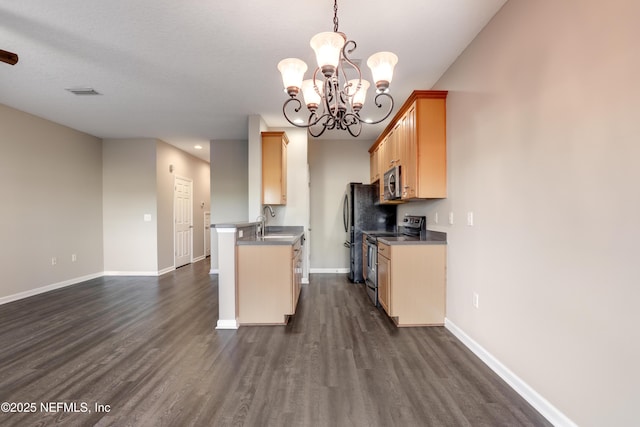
x: 392, y: 185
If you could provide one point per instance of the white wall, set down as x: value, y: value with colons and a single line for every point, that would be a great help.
x: 543, y: 148
x: 229, y: 187
x: 333, y: 164
x: 51, y: 206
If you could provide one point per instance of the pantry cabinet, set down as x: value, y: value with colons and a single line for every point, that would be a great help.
x: 274, y: 168
x: 416, y: 140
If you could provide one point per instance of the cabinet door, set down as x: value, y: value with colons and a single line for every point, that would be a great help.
x: 373, y: 166
x: 409, y: 154
x: 384, y: 282
x: 296, y: 276
x: 274, y: 168
x: 395, y: 141
x: 283, y: 172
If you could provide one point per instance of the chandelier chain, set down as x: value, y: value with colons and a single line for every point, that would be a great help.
x: 335, y: 16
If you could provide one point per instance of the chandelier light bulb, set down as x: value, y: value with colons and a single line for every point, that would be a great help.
x: 382, y: 64
x: 311, y: 96
x: 327, y: 47
x: 358, y: 95
x: 292, y: 70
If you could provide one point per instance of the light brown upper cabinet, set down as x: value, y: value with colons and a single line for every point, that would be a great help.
x: 373, y: 165
x: 274, y: 168
x: 416, y: 140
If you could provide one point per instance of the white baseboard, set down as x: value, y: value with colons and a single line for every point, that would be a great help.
x: 305, y: 281
x: 227, y: 324
x: 328, y: 270
x: 200, y: 258
x: 131, y: 273
x: 214, y: 271
x: 47, y: 288
x: 166, y: 270
x: 542, y: 405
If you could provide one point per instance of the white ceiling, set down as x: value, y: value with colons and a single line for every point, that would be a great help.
x: 191, y: 71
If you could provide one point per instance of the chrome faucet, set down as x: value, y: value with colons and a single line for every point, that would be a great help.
x: 271, y: 212
x: 263, y: 219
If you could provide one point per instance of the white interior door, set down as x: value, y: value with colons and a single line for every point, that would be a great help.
x: 183, y: 220
x: 207, y: 234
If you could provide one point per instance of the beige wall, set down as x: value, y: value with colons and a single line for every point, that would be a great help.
x: 137, y: 181
x: 129, y: 193
x: 229, y: 187
x: 333, y: 164
x: 543, y: 148
x: 184, y: 166
x: 51, y: 204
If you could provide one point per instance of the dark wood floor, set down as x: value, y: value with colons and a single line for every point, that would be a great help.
x: 147, y: 347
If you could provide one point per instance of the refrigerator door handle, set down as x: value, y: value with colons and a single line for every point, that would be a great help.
x: 345, y: 212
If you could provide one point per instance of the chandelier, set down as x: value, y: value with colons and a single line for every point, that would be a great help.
x: 336, y: 93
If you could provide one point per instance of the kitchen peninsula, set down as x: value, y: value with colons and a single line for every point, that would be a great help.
x: 259, y: 273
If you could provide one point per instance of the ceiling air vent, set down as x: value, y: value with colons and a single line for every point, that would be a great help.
x: 83, y: 91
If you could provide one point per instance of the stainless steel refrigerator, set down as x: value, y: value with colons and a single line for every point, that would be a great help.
x: 361, y: 211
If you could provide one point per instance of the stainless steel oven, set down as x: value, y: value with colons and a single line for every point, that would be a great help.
x: 412, y: 228
x: 371, y: 282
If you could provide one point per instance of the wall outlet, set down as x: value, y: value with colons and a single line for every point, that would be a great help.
x: 435, y: 218
x: 147, y: 217
x: 476, y: 300
x: 74, y: 257
x: 469, y: 219
x: 240, y: 233
x: 54, y: 260
x: 450, y: 218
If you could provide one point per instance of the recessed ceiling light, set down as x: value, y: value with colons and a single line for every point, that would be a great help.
x: 198, y: 147
x: 83, y: 91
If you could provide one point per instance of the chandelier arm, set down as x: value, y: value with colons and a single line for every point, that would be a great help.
x: 315, y: 135
x: 379, y: 105
x: 297, y: 109
x: 353, y: 120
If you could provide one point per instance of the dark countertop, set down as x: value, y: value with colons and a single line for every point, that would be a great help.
x: 427, y: 237
x: 275, y: 235
x: 234, y: 225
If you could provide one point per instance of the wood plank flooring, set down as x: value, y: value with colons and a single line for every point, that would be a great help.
x: 147, y: 347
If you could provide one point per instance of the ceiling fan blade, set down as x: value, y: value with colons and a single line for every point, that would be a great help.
x: 8, y: 57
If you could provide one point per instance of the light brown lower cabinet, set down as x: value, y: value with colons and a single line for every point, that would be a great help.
x: 269, y: 279
x: 412, y: 283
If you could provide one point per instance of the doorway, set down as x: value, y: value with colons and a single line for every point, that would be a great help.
x: 183, y: 221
